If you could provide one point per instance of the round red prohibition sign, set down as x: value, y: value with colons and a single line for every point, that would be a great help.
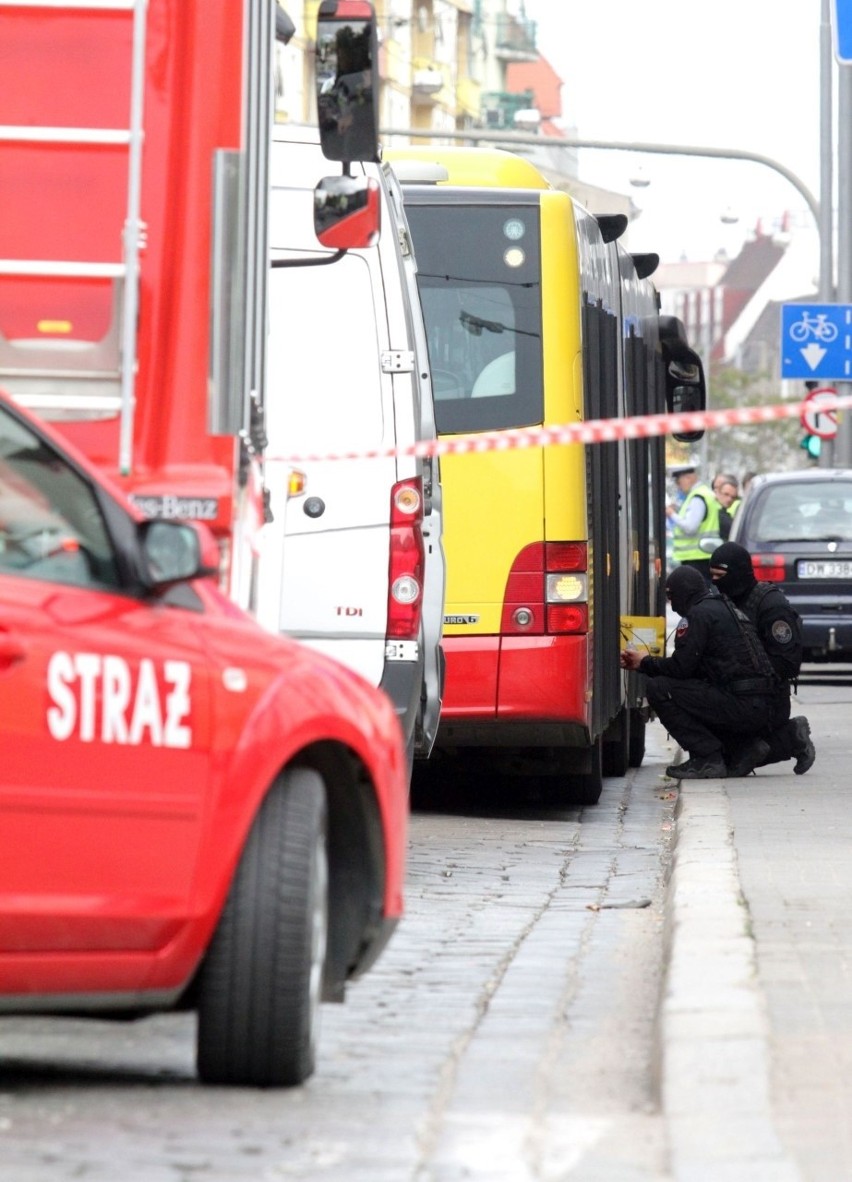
x: 819, y: 414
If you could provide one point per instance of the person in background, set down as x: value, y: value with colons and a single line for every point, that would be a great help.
x: 717, y: 685
x: 747, y: 479
x: 780, y: 630
x: 697, y: 518
x: 728, y: 498
x: 725, y: 478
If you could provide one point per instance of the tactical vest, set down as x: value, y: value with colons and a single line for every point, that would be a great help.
x: 786, y: 655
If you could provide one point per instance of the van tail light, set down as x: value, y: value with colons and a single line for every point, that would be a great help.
x: 768, y: 568
x: 407, y: 561
x: 547, y: 590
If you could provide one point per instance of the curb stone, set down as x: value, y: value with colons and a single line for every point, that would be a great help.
x: 713, y: 1028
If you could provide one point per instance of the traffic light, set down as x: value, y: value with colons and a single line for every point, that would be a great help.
x: 811, y: 443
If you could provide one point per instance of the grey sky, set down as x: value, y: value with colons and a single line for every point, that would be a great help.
x: 725, y: 73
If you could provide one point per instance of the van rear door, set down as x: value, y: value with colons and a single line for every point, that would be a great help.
x: 329, y: 396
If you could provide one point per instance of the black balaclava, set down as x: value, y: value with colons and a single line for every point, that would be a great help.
x: 685, y: 586
x: 735, y: 560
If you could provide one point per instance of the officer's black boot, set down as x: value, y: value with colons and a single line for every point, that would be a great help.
x: 803, y: 749
x: 755, y: 755
x: 699, y: 767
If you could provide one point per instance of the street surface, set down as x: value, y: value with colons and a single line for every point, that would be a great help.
x: 793, y: 849
x: 552, y: 1007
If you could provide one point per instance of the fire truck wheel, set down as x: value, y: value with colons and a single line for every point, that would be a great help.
x: 261, y: 982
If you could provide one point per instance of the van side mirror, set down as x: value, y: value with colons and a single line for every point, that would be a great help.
x: 686, y: 389
x: 347, y: 212
x: 346, y: 80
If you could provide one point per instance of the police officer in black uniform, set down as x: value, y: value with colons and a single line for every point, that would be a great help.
x: 780, y: 630
x: 717, y: 684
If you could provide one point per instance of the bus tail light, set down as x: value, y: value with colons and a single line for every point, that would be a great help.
x: 407, y: 561
x: 547, y: 590
x: 567, y: 556
x: 564, y: 618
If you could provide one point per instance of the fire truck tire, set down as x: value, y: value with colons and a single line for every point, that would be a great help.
x: 261, y: 982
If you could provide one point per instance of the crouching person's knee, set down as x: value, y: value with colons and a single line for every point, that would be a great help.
x: 657, y: 690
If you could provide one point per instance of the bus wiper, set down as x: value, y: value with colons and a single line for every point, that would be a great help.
x: 810, y: 538
x: 475, y: 324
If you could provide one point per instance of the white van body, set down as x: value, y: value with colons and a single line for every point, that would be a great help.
x: 347, y: 373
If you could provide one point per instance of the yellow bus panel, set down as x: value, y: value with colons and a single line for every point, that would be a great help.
x: 493, y: 168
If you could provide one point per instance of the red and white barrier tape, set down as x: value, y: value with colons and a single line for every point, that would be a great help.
x: 593, y: 431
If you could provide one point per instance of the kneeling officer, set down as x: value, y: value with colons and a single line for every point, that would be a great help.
x: 718, y: 683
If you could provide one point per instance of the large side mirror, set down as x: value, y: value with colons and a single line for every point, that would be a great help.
x: 686, y: 389
x: 346, y: 80
x: 284, y: 27
x: 347, y: 212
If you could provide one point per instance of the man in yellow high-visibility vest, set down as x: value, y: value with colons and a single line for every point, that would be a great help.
x: 696, y: 519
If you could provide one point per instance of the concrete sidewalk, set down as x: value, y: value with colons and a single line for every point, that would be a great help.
x: 756, y: 1019
x: 714, y: 1026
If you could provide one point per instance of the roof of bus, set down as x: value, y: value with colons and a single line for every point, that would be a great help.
x: 483, y: 167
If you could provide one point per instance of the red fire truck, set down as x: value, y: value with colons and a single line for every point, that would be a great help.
x: 133, y: 155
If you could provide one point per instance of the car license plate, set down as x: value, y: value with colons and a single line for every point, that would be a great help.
x: 824, y: 569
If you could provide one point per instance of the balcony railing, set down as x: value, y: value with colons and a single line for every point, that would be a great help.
x: 427, y: 81
x: 499, y: 107
x: 427, y: 78
x: 516, y: 39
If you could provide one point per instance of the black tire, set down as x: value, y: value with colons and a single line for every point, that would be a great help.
x: 616, y: 747
x: 589, y: 785
x: 637, y: 738
x: 261, y: 981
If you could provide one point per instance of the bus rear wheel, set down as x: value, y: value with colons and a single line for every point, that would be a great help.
x: 588, y: 784
x: 637, y: 738
x: 616, y: 747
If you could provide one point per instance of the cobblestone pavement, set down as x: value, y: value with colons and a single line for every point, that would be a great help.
x: 506, y: 1034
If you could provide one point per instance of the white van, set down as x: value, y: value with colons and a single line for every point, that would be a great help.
x: 352, y: 562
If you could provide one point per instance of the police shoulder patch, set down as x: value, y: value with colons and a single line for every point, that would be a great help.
x: 782, y: 633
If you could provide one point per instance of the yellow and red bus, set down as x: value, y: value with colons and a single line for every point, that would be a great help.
x: 536, y: 315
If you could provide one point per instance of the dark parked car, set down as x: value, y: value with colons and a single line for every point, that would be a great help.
x: 798, y: 529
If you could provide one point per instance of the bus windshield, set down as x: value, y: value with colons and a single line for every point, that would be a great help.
x: 479, y: 276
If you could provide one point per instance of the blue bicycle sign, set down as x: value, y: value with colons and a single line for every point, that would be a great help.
x: 816, y: 341
x: 819, y: 327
